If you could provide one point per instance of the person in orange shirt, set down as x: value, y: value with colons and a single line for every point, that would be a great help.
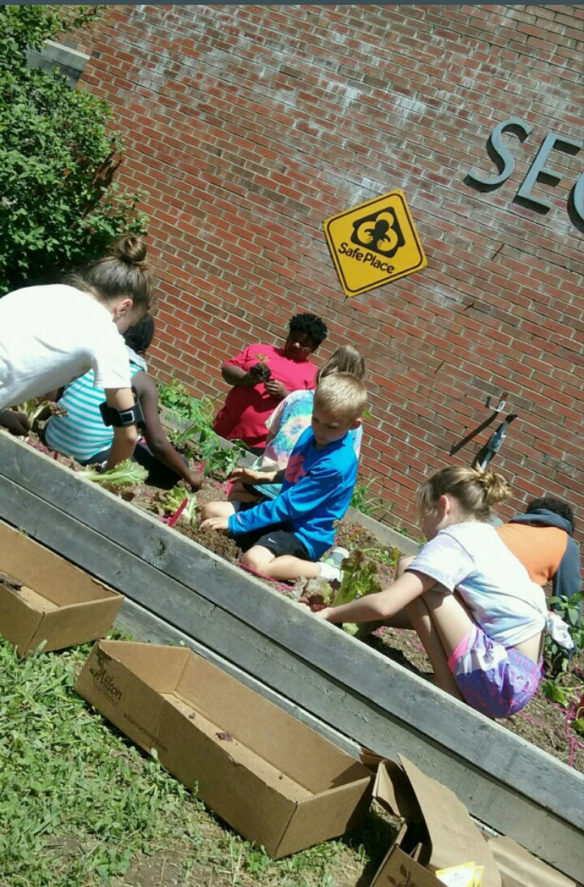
x: 542, y: 539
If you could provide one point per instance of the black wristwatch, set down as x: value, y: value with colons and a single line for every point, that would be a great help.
x: 121, y: 418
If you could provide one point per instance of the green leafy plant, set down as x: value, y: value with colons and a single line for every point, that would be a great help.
x: 59, y: 207
x: 219, y: 459
x: 125, y: 474
x: 176, y: 397
x: 171, y: 500
x: 364, y: 502
x: 365, y: 571
x: 564, y: 684
x: 570, y: 610
x: 578, y: 722
x: 197, y: 438
x: 38, y: 408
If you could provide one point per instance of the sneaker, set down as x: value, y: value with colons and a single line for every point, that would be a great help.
x: 330, y: 567
x: 337, y: 556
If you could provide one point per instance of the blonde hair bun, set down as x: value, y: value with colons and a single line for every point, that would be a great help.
x: 495, y: 486
x: 475, y: 489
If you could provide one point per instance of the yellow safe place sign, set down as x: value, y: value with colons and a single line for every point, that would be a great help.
x: 374, y: 243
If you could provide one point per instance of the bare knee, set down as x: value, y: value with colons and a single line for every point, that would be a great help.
x: 257, y: 558
x: 238, y: 493
x: 217, y: 509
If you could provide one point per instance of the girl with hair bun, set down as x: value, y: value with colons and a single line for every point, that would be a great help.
x: 52, y: 334
x: 472, y: 603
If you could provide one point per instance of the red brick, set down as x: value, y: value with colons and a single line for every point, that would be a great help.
x: 243, y: 168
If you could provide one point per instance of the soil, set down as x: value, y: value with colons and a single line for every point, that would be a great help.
x: 218, y: 543
x: 260, y: 372
x: 542, y: 722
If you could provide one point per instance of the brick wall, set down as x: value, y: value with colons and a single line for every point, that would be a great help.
x: 249, y: 125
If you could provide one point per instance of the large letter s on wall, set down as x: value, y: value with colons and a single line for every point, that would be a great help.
x: 500, y: 154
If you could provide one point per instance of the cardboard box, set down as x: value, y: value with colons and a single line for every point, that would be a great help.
x: 438, y: 830
x: 520, y: 869
x: 57, y: 603
x: 273, y: 779
x: 437, y: 833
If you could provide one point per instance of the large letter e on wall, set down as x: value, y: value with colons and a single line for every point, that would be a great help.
x: 538, y: 172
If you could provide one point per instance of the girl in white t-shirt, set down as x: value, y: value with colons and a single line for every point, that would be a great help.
x: 472, y: 603
x: 51, y: 335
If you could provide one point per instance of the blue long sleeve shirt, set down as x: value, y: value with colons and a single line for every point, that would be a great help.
x: 316, y: 492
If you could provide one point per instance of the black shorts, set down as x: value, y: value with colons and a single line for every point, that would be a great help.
x: 279, y: 539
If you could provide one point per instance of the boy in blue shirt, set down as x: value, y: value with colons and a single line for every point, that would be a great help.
x: 283, y: 537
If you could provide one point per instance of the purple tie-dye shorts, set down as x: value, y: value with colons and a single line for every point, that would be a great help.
x: 496, y: 680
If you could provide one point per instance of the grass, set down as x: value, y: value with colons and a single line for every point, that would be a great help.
x: 82, y: 806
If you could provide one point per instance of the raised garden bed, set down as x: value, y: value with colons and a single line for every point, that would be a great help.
x: 191, y: 594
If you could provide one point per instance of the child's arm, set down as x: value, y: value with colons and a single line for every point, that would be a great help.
x: 383, y: 604
x: 302, y: 498
x: 154, y: 432
x: 240, y: 371
x: 237, y: 377
x: 251, y: 476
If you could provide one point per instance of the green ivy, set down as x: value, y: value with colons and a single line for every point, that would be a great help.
x: 58, y: 205
x: 364, y: 502
x: 197, y: 438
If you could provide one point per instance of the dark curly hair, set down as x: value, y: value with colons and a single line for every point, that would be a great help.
x: 141, y: 334
x: 310, y: 324
x: 558, y: 506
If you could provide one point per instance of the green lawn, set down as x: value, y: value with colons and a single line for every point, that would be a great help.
x: 80, y: 805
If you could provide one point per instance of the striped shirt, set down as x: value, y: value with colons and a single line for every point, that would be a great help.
x: 81, y: 433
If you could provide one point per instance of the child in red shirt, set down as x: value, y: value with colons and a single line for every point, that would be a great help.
x: 262, y: 376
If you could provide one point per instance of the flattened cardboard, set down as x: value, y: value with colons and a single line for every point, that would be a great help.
x: 437, y: 822
x: 272, y: 778
x: 399, y: 869
x: 58, y: 603
x: 520, y: 869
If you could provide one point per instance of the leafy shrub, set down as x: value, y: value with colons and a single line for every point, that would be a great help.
x: 58, y: 206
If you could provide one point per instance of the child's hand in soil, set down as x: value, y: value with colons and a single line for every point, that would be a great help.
x: 277, y: 389
x: 16, y: 423
x: 215, y: 523
x: 195, y: 479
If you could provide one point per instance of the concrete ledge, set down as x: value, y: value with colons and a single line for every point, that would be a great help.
x: 68, y: 61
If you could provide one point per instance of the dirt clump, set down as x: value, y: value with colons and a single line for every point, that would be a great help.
x: 217, y: 542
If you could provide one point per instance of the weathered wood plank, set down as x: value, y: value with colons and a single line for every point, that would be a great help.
x: 505, y: 782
